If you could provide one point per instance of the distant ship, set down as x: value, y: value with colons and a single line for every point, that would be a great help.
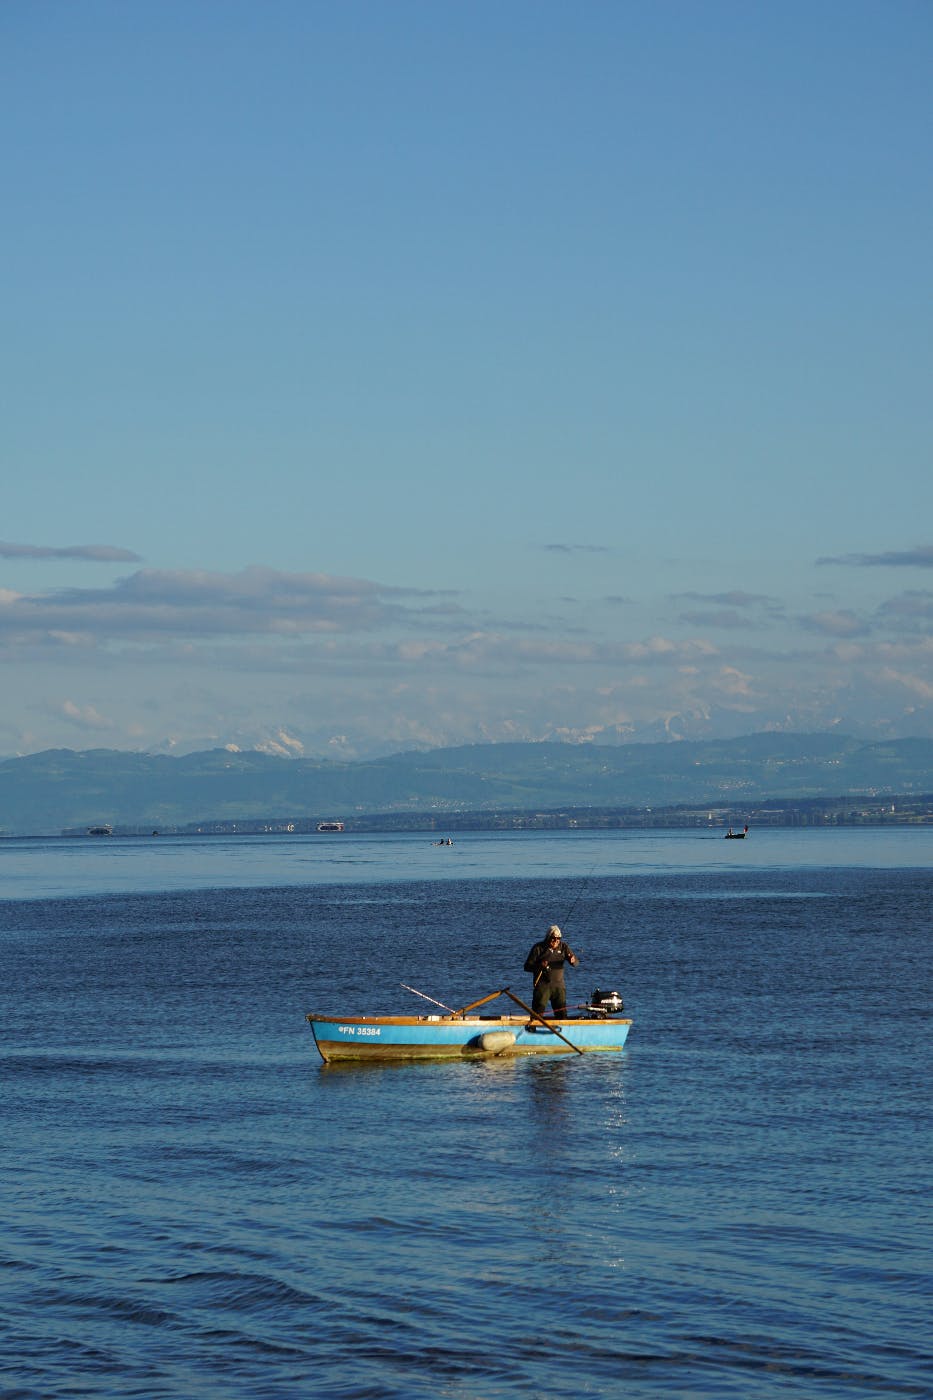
x: 100, y: 831
x: 330, y: 826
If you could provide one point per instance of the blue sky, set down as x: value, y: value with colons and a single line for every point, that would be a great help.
x: 385, y: 375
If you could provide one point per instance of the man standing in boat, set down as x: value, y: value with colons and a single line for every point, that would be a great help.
x: 546, y: 960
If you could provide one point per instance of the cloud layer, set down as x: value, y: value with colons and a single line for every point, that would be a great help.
x: 96, y: 553
x: 152, y: 604
x: 314, y: 662
x: 919, y: 558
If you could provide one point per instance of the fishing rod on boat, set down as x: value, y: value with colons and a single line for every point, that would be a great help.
x: 433, y: 1001
x: 576, y: 900
x: 461, y: 1010
x: 580, y: 888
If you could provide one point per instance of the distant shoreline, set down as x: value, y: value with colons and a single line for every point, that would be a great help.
x: 848, y: 811
x: 765, y: 780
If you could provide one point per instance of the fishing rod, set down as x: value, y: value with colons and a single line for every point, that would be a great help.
x: 580, y: 888
x: 433, y: 1001
x: 576, y: 900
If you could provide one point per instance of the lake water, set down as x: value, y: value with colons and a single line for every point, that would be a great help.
x: 736, y: 1205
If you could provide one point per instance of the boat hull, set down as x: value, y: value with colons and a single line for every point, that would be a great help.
x: 460, y: 1037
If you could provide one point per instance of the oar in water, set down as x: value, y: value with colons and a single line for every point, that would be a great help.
x: 538, y: 1017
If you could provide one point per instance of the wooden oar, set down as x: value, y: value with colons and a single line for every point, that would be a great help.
x: 538, y: 1017
x: 482, y: 1002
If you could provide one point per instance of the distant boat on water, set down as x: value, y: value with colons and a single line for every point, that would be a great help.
x: 330, y: 826
x: 736, y: 835
x: 102, y: 830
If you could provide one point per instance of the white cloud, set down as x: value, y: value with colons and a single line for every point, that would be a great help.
x: 84, y: 716
x: 733, y: 682
x: 726, y: 618
x: 911, y: 611
x: 842, y: 623
x: 664, y: 649
x: 915, y: 684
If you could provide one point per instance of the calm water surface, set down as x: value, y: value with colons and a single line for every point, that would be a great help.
x: 194, y: 1206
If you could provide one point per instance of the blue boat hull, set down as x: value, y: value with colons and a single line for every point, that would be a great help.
x: 458, y: 1037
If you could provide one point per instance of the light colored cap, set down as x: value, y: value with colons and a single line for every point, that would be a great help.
x: 552, y: 930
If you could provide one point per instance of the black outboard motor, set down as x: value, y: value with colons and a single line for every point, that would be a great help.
x: 605, y: 1003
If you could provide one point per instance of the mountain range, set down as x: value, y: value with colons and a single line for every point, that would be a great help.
x: 61, y: 789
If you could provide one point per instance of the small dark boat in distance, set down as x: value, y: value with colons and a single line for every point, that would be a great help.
x: 330, y: 826
x: 102, y: 830
x: 736, y: 835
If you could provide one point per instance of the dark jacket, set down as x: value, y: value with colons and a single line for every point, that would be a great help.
x: 552, y: 958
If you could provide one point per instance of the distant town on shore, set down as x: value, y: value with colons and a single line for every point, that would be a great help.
x: 765, y: 780
x: 904, y: 811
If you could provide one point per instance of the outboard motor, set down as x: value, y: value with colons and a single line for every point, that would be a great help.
x: 605, y: 1003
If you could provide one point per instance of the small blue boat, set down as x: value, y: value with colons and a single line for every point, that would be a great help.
x: 461, y: 1035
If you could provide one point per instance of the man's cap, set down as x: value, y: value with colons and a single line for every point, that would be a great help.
x: 553, y: 931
